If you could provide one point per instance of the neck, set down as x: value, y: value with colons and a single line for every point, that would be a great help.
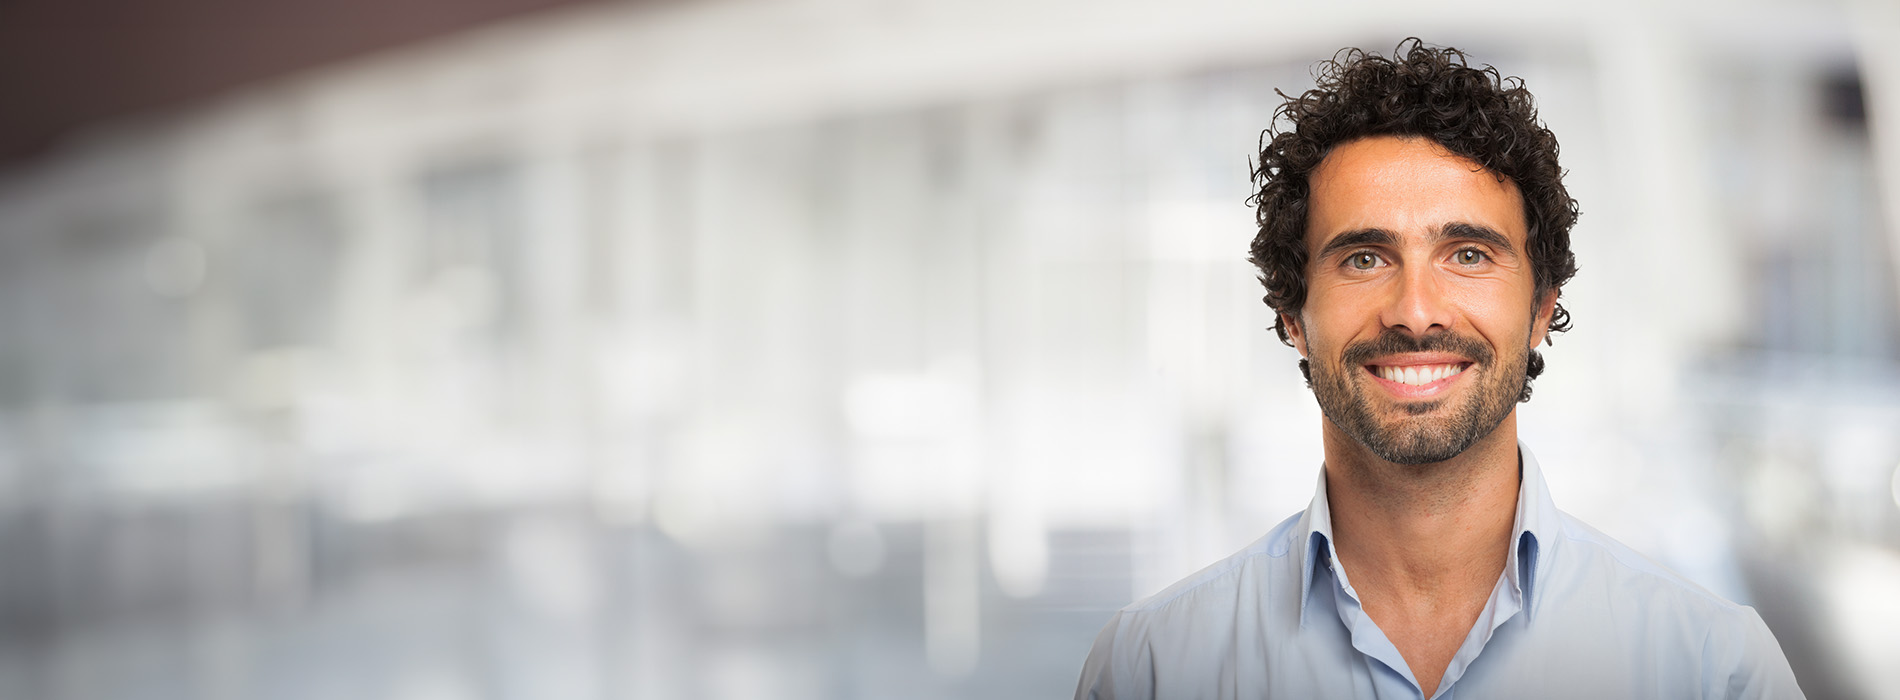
x: 1423, y: 532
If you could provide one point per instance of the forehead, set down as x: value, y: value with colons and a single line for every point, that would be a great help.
x: 1410, y: 186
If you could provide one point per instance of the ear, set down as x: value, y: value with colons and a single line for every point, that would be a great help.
x: 1294, y: 332
x: 1540, y: 324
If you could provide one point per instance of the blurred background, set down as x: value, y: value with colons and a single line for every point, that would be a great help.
x: 848, y: 348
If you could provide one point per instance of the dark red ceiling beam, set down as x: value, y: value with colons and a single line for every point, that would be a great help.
x: 65, y: 64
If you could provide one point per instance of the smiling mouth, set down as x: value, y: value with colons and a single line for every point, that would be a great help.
x: 1418, y: 375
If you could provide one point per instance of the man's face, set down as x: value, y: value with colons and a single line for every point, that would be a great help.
x: 1419, y: 317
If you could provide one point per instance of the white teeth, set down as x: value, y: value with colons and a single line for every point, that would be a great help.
x: 1418, y: 375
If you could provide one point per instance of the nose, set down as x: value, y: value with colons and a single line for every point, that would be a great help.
x: 1417, y: 302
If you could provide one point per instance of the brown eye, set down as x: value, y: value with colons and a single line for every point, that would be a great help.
x: 1364, y: 261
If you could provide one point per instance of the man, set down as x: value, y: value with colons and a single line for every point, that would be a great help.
x: 1414, y: 237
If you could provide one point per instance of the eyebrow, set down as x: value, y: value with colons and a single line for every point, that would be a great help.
x: 1355, y: 239
x: 1474, y: 232
x: 1382, y: 237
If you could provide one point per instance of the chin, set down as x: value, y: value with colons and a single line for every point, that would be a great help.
x: 1418, y: 447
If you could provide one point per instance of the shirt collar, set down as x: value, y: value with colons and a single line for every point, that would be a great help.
x: 1532, y: 529
x: 1316, y: 529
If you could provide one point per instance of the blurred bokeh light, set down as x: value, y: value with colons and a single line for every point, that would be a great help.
x: 872, y: 348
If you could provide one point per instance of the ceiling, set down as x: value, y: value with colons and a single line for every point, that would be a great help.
x: 65, y: 64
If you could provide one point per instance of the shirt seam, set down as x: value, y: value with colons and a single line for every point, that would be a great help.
x: 1650, y: 569
x: 1212, y: 576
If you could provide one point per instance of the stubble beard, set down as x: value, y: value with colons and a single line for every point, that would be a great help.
x: 1421, y: 432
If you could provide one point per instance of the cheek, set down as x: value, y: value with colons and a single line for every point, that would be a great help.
x: 1338, y: 313
x: 1503, y: 317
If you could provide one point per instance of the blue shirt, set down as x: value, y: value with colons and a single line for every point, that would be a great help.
x: 1575, y: 614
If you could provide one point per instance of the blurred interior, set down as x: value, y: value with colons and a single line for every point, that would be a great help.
x: 874, y: 348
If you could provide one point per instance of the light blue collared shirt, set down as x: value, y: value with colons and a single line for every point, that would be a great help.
x: 1574, y: 615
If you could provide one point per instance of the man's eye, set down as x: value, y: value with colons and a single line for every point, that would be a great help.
x: 1363, y: 261
x: 1469, y: 256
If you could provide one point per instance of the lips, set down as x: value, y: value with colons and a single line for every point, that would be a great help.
x: 1415, y: 368
x: 1418, y: 376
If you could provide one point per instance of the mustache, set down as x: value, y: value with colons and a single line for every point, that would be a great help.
x: 1393, y: 341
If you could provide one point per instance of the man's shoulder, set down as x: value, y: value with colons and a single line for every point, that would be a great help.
x: 1638, y: 606
x: 1253, y: 566
x: 1595, y: 555
x: 1185, y: 632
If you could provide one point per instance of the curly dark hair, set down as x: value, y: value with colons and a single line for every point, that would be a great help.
x: 1421, y: 91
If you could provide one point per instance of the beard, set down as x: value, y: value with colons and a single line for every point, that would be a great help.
x: 1421, y: 432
